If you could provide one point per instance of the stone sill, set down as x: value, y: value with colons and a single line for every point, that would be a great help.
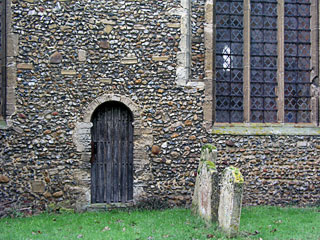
x: 266, y: 129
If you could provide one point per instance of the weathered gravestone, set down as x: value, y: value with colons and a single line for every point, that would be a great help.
x: 205, y: 200
x: 230, y: 201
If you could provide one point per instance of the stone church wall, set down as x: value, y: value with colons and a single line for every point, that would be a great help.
x: 71, y: 53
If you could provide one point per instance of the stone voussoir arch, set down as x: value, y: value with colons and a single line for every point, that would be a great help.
x: 82, y: 132
x: 111, y: 97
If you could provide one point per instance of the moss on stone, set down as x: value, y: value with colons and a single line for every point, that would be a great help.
x: 237, y: 174
x: 211, y: 165
x: 208, y: 146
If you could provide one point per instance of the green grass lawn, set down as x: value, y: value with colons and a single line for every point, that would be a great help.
x: 256, y: 223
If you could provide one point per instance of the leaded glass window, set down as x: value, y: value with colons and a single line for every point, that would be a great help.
x: 297, y: 44
x: 264, y: 60
x: 263, y: 80
x: 229, y: 66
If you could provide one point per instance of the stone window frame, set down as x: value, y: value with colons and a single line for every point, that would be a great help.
x: 209, y: 104
x: 10, y: 40
x: 3, y: 54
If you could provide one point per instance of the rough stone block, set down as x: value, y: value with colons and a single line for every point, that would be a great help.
x: 208, y: 39
x: 108, y: 29
x: 82, y: 136
x: 12, y: 48
x: 38, y: 186
x: 106, y: 21
x: 104, y: 44
x: 173, y: 25
x: 139, y: 27
x: 57, y: 194
x: 105, y: 80
x: 82, y: 55
x: 68, y: 72
x: 55, y: 58
x: 25, y: 66
x: 160, y: 58
x: 230, y: 201
x: 129, y: 60
x: 209, y: 11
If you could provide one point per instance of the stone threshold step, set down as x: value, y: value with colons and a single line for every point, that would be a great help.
x: 100, y: 207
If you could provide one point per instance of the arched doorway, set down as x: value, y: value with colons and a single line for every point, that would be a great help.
x: 112, y: 154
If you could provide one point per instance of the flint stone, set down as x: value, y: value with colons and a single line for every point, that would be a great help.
x: 82, y: 55
x: 174, y: 155
x: 108, y: 29
x: 155, y: 150
x: 104, y: 44
x: 4, y: 179
x: 38, y: 186
x: 56, y: 58
x: 47, y: 195
x: 58, y: 194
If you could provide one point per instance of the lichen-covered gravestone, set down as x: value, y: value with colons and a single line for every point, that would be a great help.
x: 230, y: 201
x: 205, y: 200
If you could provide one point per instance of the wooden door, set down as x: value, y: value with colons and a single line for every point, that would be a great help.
x: 112, y: 154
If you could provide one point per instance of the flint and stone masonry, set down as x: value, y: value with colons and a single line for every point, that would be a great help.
x: 68, y: 57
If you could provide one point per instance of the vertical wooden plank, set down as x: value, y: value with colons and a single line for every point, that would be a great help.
x: 116, y: 157
x: 100, y: 158
x: 130, y: 159
x: 100, y: 170
x: 121, y: 149
x: 105, y: 143
x: 246, y: 61
x: 127, y: 158
x: 93, y: 165
x: 97, y: 161
x: 120, y: 152
x: 100, y: 149
x: 95, y: 179
x: 112, y: 154
x: 109, y: 154
x: 124, y: 157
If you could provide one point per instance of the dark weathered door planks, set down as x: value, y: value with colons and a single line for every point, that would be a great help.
x: 112, y: 166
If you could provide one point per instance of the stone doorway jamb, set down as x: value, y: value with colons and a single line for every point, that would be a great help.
x: 141, y: 140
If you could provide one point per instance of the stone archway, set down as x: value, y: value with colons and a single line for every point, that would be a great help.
x: 112, y: 154
x: 142, y: 138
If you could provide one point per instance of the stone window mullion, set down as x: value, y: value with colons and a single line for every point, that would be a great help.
x: 315, y: 30
x: 3, y: 59
x: 246, y: 61
x: 280, y: 70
